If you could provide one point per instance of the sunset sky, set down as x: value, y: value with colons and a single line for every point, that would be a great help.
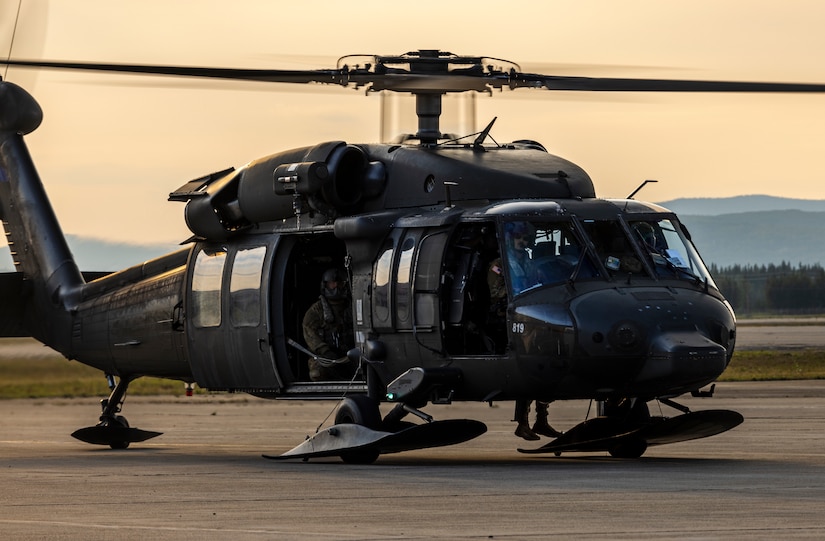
x: 112, y: 147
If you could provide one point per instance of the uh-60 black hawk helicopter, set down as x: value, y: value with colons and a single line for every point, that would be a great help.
x: 616, y: 306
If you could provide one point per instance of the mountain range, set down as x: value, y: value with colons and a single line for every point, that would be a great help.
x: 743, y: 230
x: 706, y: 206
x: 102, y: 255
x: 754, y: 229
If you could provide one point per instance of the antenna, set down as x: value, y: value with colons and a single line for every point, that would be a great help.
x: 484, y: 133
x: 642, y: 185
x: 11, y: 43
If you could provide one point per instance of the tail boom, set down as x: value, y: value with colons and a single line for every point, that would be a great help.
x: 36, y: 241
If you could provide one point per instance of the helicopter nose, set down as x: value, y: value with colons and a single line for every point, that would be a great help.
x: 658, y: 340
x: 683, y: 357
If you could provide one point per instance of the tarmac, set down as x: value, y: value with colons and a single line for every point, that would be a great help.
x: 780, y: 334
x: 205, y: 478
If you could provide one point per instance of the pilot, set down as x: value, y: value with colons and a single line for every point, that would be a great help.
x: 327, y: 330
x: 518, y: 237
x: 616, y: 252
x: 647, y: 234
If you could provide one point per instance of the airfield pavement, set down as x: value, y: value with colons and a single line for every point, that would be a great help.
x: 205, y: 479
x: 780, y: 333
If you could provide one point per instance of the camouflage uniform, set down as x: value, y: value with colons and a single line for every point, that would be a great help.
x: 495, y: 281
x: 328, y: 333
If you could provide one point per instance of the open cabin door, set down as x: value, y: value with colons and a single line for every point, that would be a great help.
x: 299, y: 263
x: 228, y: 323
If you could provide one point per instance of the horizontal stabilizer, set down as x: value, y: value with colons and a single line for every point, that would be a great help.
x: 15, y: 292
x: 13, y: 297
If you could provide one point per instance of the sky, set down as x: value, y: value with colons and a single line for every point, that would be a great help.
x: 112, y: 147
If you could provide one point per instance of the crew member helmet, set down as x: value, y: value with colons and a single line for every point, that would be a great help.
x: 340, y: 280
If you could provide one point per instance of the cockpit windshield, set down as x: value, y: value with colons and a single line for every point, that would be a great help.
x: 669, y: 250
x: 539, y: 253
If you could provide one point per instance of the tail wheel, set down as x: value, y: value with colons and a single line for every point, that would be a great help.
x: 360, y: 410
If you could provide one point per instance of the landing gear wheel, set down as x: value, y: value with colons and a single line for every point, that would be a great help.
x: 361, y: 410
x: 633, y: 414
x: 632, y: 448
x: 120, y: 420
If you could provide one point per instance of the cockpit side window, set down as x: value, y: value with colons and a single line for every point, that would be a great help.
x: 538, y: 253
x: 557, y: 251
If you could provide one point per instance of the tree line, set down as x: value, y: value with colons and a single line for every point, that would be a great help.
x: 772, y: 289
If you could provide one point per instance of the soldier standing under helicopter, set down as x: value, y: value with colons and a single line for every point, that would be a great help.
x: 327, y: 330
x: 523, y: 275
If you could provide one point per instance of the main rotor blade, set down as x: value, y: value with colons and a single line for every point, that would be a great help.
x: 417, y: 82
x: 606, y: 84
x: 265, y: 75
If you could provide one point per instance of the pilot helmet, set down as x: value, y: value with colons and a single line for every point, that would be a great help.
x: 514, y: 230
x: 646, y: 232
x: 334, y: 275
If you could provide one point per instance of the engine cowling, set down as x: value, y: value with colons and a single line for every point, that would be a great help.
x: 331, y: 179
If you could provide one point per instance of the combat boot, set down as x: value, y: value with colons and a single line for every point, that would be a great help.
x: 521, y: 416
x: 541, y: 426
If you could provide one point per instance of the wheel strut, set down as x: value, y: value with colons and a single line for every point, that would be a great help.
x: 112, y: 405
x: 113, y: 429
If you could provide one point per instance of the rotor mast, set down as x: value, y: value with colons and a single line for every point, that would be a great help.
x: 428, y: 109
x: 428, y: 104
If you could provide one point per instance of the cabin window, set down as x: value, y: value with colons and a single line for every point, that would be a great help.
x: 404, y: 282
x: 244, y: 287
x: 206, y: 289
x: 381, y: 287
x: 428, y: 280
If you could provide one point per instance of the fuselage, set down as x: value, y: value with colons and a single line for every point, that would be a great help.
x: 594, y: 299
x: 607, y: 313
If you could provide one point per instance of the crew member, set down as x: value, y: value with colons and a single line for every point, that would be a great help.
x: 327, y: 330
x: 518, y: 238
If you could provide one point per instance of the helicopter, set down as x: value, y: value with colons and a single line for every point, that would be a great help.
x: 617, y: 308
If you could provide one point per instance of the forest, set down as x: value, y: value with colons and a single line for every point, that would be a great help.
x: 781, y: 289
